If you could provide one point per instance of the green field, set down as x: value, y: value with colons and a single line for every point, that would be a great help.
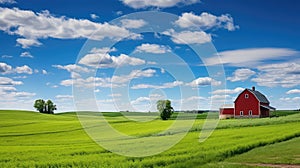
x: 30, y: 139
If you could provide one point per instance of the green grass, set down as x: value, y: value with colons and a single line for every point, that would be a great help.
x: 29, y: 139
x: 287, y: 152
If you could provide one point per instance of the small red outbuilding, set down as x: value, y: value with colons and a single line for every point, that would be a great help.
x: 249, y: 103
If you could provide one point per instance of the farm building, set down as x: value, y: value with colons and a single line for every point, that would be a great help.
x: 249, y: 103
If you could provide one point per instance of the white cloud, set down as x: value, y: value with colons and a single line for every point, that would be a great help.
x: 23, y: 69
x: 103, y: 50
x: 282, y: 74
x: 101, y: 60
x: 11, y: 98
x: 153, y: 48
x: 189, y: 37
x: 133, y: 75
x: 115, y: 95
x: 4, y: 81
x: 228, y: 91
x: 249, y: 56
x: 157, y: 3
x: 6, y: 88
x: 241, y: 75
x: 293, y: 91
x: 133, y: 24
x: 9, y: 94
x: 140, y: 100
x: 5, y: 68
x: 94, y: 16
x: 27, y: 43
x: 20, y: 77
x: 119, y: 12
x: 24, y: 94
x: 162, y: 86
x: 7, y: 2
x: 45, y: 25
x: 6, y: 56
x: 114, y: 81
x: 64, y: 97
x: 26, y: 54
x: 72, y: 68
x: 205, y: 21
x: 204, y: 81
x: 222, y: 97
x: 44, y: 72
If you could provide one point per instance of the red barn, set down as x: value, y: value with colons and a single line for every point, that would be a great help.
x: 250, y: 103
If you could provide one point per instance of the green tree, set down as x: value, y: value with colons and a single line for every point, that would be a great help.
x: 165, y: 109
x: 45, y: 106
x: 39, y: 105
x: 50, y: 107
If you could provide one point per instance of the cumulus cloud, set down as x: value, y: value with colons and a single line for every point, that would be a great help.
x: 188, y: 37
x: 136, y: 4
x: 75, y: 70
x: 105, y: 60
x: 222, y: 97
x: 133, y: 75
x: 133, y: 23
x: 44, y: 72
x: 119, y: 13
x: 6, y: 56
x: 100, y: 58
x: 204, y: 81
x: 64, y: 97
x: 141, y: 100
x: 10, y: 94
x: 293, y: 91
x: 205, y: 21
x: 114, y: 81
x: 72, y: 68
x: 153, y: 48
x: 7, y: 2
x: 26, y: 54
x: 5, y: 81
x: 249, y: 56
x: 241, y: 75
x: 282, y: 74
x: 23, y: 69
x: 27, y: 43
x: 228, y: 91
x: 5, y: 68
x: 94, y: 16
x: 45, y: 25
x: 8, y: 69
x: 162, y: 86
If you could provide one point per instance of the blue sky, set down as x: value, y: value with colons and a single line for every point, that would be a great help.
x: 126, y: 54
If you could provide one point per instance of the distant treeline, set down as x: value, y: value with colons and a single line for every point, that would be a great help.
x: 195, y: 111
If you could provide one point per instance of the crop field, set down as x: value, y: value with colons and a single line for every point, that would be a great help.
x: 30, y: 139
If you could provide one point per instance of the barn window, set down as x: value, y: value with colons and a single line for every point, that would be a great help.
x: 246, y: 96
x: 250, y: 112
x: 241, y: 113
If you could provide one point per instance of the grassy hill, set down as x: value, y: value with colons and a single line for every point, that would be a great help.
x: 30, y: 139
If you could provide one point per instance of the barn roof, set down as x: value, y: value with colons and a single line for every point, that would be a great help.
x: 261, y: 97
x: 268, y: 107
